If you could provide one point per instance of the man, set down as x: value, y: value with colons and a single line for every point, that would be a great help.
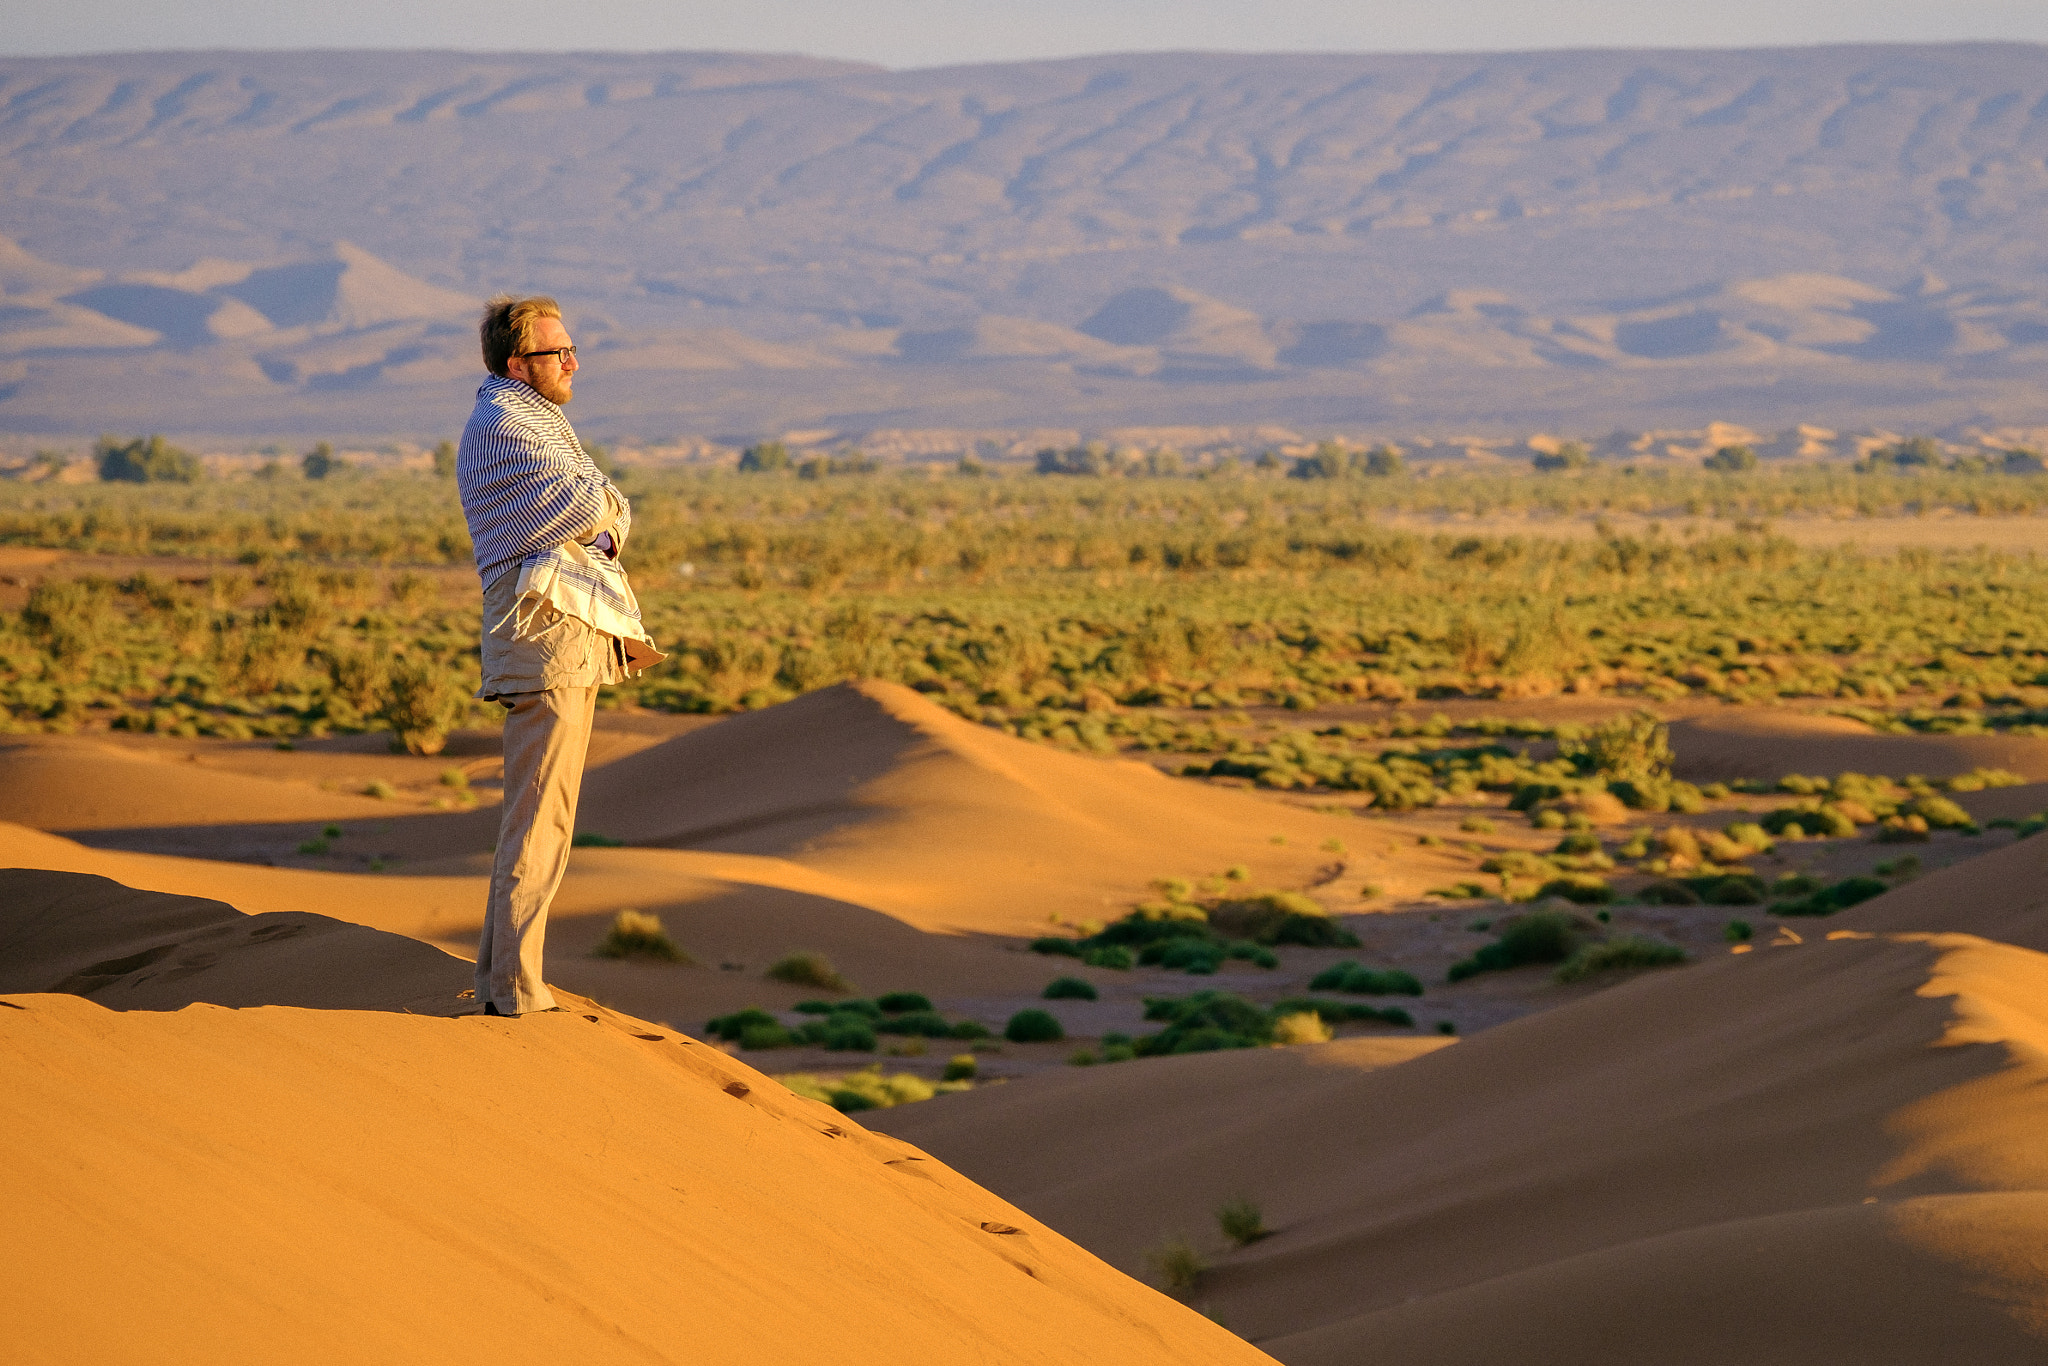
x: 559, y: 622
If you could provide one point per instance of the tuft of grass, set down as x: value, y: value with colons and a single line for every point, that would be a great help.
x: 590, y: 839
x: 1622, y: 954
x: 1177, y: 1264
x: 1242, y: 1221
x: 1069, y: 989
x: 1033, y: 1026
x: 455, y: 778
x: 332, y: 832
x: 1739, y: 932
x: 1446, y: 1027
x: 868, y: 1089
x: 381, y: 790
x: 635, y: 934
x: 898, y: 1002
x: 961, y: 1067
x: 809, y: 970
x: 313, y: 847
x: 1304, y: 1026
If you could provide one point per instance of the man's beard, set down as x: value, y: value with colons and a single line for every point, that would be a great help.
x: 556, y: 390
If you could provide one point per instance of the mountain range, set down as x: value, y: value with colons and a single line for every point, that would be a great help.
x: 297, y: 243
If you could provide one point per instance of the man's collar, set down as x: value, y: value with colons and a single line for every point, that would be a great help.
x: 520, y: 389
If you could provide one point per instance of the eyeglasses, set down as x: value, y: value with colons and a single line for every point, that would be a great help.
x: 562, y: 354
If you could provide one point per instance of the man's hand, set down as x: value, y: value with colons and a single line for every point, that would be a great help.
x: 605, y: 543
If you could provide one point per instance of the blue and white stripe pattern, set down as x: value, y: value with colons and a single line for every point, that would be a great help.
x: 525, y: 481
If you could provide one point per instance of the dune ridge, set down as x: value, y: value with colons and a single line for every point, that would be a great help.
x: 347, y: 1186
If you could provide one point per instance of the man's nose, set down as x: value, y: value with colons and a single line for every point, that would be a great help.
x: 571, y: 365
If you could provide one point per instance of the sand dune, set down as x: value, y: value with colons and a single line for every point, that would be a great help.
x: 1771, y: 744
x: 723, y: 908
x: 142, y: 950
x: 1667, y: 1170
x: 862, y: 821
x: 73, y: 783
x: 348, y: 1186
x: 951, y: 825
x: 889, y: 801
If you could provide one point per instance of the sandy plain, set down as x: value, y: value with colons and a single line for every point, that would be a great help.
x: 248, y: 1101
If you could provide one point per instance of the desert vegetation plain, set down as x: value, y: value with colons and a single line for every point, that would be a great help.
x: 928, y: 769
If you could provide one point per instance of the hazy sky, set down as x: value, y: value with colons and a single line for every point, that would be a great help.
x: 903, y: 33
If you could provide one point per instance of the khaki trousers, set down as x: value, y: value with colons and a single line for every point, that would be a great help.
x: 547, y: 734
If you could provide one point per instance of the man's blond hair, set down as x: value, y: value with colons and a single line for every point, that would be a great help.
x: 508, y: 327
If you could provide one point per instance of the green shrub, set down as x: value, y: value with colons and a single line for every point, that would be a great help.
x: 732, y: 1027
x: 765, y: 1036
x: 423, y: 702
x: 970, y: 1029
x: 925, y: 1023
x: 1731, y: 889
x: 1058, y: 945
x: 1739, y: 932
x: 1033, y: 1026
x: 1539, y: 937
x: 1582, y: 888
x: 1658, y: 795
x: 1668, y: 892
x: 1118, y: 1052
x: 895, y: 1002
x: 961, y: 1067
x: 1940, y: 813
x: 1113, y: 956
x: 848, y: 1034
x: 1360, y: 980
x: 1341, y: 1012
x: 809, y: 970
x: 1635, y: 747
x: 145, y: 460
x: 1197, y: 957
x: 1204, y: 1022
x: 856, y: 1005
x: 1177, y: 1264
x: 635, y: 934
x: 1280, y: 918
x: 1614, y: 955
x: 1069, y: 988
x: 1241, y: 1221
x: 1824, y: 821
x: 1839, y: 897
x: 590, y: 839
